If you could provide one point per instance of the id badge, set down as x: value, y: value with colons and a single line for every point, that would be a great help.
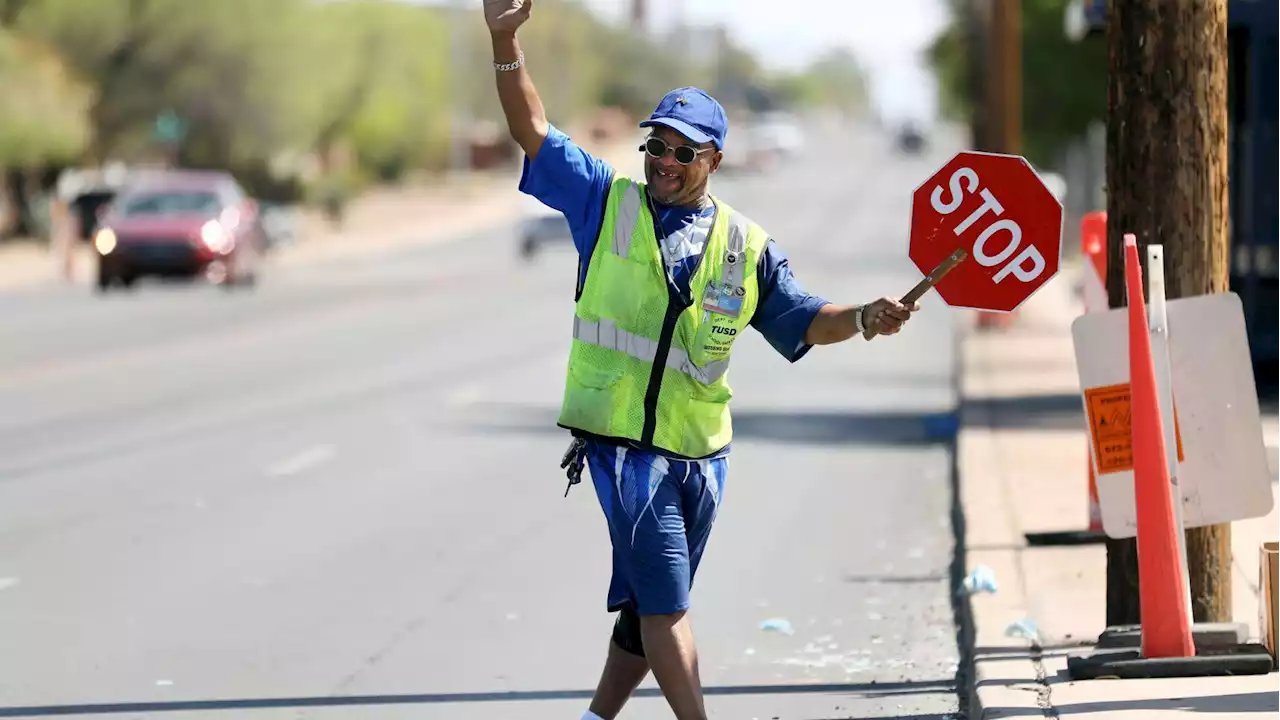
x: 722, y: 300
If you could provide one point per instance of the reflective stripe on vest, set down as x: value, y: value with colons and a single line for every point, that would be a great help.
x: 606, y: 334
x: 628, y: 213
x: 731, y: 269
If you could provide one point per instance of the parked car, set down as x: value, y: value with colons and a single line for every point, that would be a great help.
x: 910, y: 138
x: 197, y: 224
x: 281, y: 224
x: 777, y: 134
x: 736, y: 157
x: 539, y: 226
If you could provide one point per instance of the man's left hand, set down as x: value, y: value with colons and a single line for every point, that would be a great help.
x: 886, y: 316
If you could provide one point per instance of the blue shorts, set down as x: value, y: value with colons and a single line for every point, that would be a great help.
x: 660, y: 512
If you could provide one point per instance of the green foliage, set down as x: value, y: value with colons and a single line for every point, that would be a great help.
x: 835, y: 79
x: 214, y: 64
x: 949, y: 55
x: 400, y: 73
x: 1064, y: 85
x: 266, y: 84
x: 46, y: 117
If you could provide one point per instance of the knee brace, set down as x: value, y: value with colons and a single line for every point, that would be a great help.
x: 626, y: 632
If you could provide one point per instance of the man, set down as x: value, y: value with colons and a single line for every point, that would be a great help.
x: 668, y: 277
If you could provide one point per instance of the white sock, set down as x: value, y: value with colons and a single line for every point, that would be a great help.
x: 588, y: 715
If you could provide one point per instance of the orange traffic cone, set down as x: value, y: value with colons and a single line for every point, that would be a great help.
x: 1093, y: 242
x: 1166, y: 626
x: 994, y: 320
x: 1095, y: 509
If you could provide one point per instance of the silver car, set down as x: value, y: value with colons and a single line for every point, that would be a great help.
x: 541, y: 224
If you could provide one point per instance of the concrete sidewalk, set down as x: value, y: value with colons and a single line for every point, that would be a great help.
x: 1022, y: 458
x: 381, y: 219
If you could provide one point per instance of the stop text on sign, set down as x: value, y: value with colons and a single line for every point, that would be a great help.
x: 999, y: 241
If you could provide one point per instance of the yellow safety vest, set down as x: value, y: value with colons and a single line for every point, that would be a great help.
x: 643, y: 367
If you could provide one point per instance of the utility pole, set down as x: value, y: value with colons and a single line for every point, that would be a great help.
x: 561, y: 86
x: 459, y: 50
x: 977, y: 32
x: 681, y: 33
x: 1006, y: 80
x: 639, y: 14
x: 1167, y: 184
x: 720, y: 46
x: 1003, y: 118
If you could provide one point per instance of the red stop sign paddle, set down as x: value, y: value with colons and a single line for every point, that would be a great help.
x: 994, y: 210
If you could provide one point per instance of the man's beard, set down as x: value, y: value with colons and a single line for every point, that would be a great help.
x: 665, y: 197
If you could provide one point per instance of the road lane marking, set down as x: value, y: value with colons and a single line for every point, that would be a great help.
x: 305, y: 460
x: 558, y: 362
x: 466, y: 395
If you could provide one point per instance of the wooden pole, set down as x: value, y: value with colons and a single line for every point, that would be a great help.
x: 1167, y: 183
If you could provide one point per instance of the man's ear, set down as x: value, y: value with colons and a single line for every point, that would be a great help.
x: 715, y: 160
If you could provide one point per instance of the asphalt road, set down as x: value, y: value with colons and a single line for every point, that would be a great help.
x: 342, y: 487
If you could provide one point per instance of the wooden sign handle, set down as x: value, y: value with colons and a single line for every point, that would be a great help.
x: 929, y: 281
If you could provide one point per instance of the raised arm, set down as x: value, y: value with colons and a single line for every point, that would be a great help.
x: 526, y: 119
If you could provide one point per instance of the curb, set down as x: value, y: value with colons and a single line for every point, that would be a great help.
x: 483, y: 207
x: 1008, y: 675
x: 1045, y: 605
x: 485, y: 216
x: 1001, y: 682
x: 35, y: 269
x: 961, y: 607
x: 489, y: 204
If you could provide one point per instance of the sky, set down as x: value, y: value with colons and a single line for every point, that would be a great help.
x: 888, y: 37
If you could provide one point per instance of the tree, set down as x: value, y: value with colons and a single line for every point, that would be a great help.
x: 207, y: 62
x: 260, y: 85
x: 1167, y: 180
x: 951, y: 56
x: 48, y: 120
x: 9, y: 10
x: 1065, y: 88
x: 834, y: 79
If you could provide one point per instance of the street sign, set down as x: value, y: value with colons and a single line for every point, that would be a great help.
x: 169, y: 128
x: 997, y: 210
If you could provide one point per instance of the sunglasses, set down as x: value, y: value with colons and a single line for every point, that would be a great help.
x: 657, y: 147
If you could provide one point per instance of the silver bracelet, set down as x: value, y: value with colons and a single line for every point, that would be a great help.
x: 858, y: 325
x: 508, y: 67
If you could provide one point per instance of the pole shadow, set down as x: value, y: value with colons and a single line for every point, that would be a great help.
x: 1053, y: 411
x: 799, y: 428
x: 867, y: 689
x: 1249, y: 702
x: 895, y: 579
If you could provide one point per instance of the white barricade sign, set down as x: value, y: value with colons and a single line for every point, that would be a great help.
x: 1222, y: 469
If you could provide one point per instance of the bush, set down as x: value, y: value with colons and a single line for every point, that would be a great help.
x: 256, y: 80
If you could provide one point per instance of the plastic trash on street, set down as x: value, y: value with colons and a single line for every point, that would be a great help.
x: 780, y: 625
x: 1025, y: 628
x: 979, y: 580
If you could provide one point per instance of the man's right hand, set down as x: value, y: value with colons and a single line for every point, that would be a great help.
x: 506, y: 15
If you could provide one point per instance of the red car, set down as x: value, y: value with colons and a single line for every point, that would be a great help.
x: 179, y: 223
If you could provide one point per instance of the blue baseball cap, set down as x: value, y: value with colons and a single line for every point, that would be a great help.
x: 692, y: 113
